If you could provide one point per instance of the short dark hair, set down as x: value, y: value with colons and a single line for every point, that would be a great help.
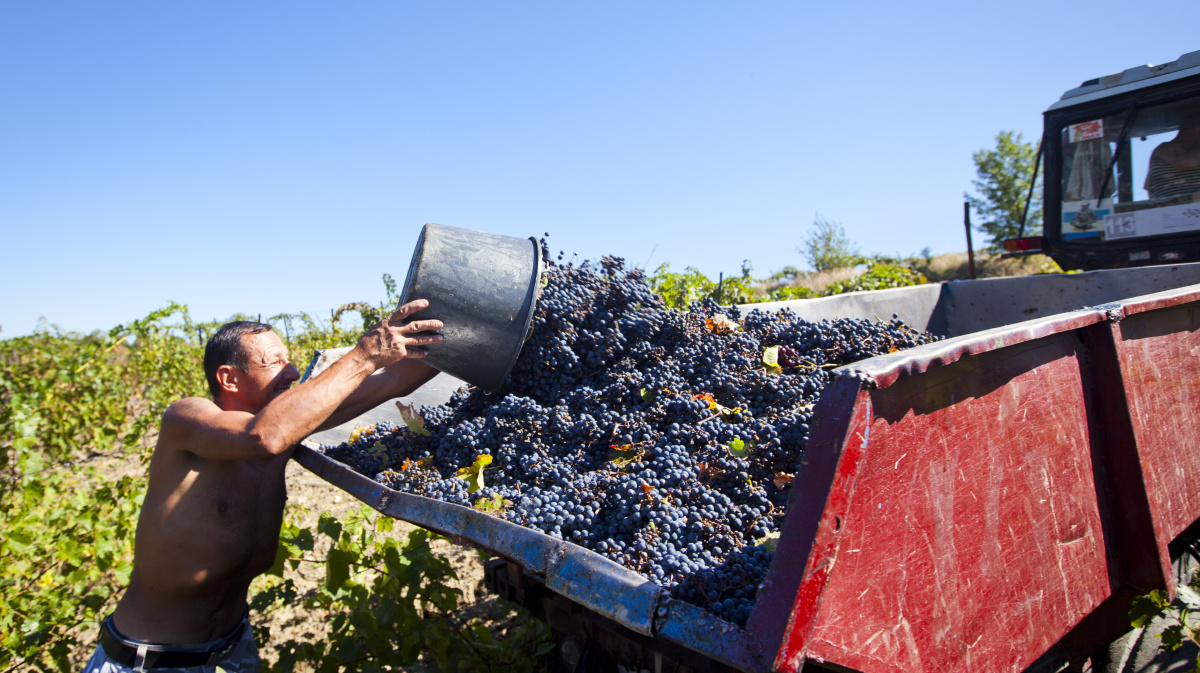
x: 225, y: 347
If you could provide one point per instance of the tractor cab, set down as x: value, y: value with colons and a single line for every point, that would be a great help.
x: 1122, y: 170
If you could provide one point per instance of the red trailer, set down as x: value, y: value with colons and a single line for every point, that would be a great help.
x: 972, y: 504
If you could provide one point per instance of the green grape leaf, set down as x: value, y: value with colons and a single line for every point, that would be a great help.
x: 1146, y: 607
x: 739, y: 448
x: 473, y: 475
x: 337, y: 569
x: 412, y: 418
x: 646, y: 394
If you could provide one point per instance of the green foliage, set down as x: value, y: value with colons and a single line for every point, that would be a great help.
x: 390, y: 602
x: 788, y: 293
x: 878, y: 277
x: 1002, y: 182
x: 1156, y: 605
x: 69, y: 401
x: 67, y: 543
x: 828, y: 248
x: 678, y: 290
x: 473, y: 473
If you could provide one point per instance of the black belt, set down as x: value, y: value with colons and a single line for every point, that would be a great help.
x: 165, y: 656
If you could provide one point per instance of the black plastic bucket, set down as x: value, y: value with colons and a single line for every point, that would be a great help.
x: 484, y: 288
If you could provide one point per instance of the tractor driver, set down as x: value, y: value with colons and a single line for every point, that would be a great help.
x: 1175, y: 165
x: 214, y: 503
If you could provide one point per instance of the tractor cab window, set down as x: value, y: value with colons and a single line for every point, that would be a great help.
x: 1132, y: 174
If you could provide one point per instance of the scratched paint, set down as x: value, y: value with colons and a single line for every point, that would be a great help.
x: 1159, y: 354
x: 983, y: 546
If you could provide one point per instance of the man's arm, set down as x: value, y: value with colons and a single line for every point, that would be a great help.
x: 201, y: 427
x: 395, y: 380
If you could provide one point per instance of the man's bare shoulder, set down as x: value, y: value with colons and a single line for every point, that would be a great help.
x: 189, y: 409
x: 189, y: 414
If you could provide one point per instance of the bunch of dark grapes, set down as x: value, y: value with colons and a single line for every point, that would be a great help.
x: 652, y: 436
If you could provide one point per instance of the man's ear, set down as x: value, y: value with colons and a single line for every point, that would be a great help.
x: 228, y: 378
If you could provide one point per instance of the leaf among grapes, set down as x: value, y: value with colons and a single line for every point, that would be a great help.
x: 425, y: 463
x: 622, y: 456
x: 714, y: 405
x: 493, y: 505
x: 646, y: 394
x: 740, y: 448
x: 473, y: 475
x: 782, y: 480
x: 768, y: 542
x: 721, y: 324
x: 770, y: 360
x: 412, y: 419
x: 380, y: 452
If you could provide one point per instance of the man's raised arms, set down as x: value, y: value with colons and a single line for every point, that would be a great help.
x: 257, y: 415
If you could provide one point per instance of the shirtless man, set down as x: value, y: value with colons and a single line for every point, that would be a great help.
x: 214, y: 504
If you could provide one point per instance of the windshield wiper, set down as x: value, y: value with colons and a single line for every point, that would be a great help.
x: 1129, y: 116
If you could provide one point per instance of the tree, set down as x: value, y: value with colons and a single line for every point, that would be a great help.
x: 828, y: 248
x: 1002, y: 182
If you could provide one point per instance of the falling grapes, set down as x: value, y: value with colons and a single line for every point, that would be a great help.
x: 661, y: 439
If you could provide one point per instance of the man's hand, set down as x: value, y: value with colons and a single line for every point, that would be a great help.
x: 395, y: 339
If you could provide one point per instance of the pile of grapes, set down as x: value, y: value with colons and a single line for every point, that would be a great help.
x: 664, y: 440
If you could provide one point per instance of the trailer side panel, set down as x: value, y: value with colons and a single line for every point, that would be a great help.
x: 973, y: 539
x: 1159, y: 353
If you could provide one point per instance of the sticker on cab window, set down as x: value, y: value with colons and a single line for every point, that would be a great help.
x: 1086, y: 131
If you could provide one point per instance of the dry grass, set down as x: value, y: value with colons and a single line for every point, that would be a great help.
x: 817, y: 281
x: 950, y: 266
x: 954, y: 266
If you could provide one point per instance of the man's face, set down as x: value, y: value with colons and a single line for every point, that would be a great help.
x: 269, y: 373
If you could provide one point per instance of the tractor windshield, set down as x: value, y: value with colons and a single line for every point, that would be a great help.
x: 1132, y: 174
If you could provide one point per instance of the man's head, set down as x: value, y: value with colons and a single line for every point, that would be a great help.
x: 246, y: 365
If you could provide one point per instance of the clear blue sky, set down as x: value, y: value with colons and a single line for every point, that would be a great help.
x: 273, y: 157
